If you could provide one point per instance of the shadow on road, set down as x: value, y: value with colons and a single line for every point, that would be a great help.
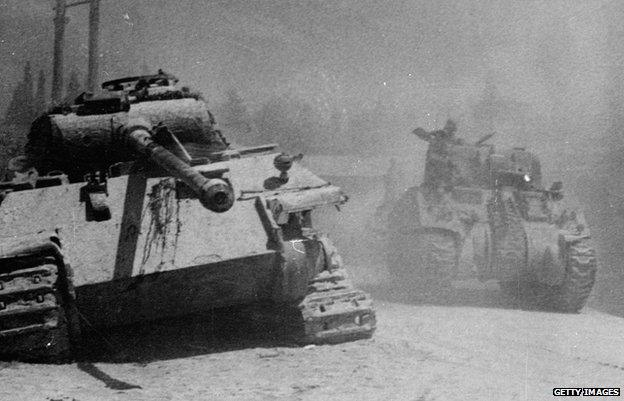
x: 109, y: 381
x: 213, y: 332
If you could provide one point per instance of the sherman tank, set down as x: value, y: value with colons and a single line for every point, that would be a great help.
x: 136, y: 208
x: 483, y: 213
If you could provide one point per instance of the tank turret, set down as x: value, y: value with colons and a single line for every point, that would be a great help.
x: 91, y: 133
x: 99, y: 131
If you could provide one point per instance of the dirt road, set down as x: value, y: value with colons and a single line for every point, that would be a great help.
x: 419, y: 353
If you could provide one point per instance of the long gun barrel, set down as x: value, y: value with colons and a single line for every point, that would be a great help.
x: 215, y: 194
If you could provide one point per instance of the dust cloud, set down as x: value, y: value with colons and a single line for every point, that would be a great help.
x: 359, y: 228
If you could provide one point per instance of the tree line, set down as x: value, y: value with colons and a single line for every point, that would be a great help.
x: 299, y: 125
x: 27, y: 101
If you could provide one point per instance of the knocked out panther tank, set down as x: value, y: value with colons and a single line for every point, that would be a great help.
x: 484, y: 213
x: 141, y: 210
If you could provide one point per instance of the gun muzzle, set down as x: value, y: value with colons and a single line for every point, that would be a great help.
x: 214, y: 194
x: 217, y: 195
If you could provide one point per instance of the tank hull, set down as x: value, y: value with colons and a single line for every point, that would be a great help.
x: 155, y: 224
x: 182, y: 291
x: 162, y: 218
x: 160, y: 253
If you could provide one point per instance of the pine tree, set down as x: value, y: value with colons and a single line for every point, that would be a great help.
x: 28, y: 87
x: 293, y: 123
x: 272, y: 122
x: 74, y: 87
x: 40, y: 97
x: 234, y: 114
x: 145, y: 70
x: 20, y: 109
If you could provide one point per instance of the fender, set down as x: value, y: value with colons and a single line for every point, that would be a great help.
x: 284, y: 203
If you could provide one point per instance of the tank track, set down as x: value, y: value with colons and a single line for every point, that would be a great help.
x: 579, y: 278
x: 433, y: 258
x: 36, y: 298
x: 334, y: 311
x: 510, y: 250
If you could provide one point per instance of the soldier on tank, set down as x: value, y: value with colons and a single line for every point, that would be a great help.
x: 440, y: 169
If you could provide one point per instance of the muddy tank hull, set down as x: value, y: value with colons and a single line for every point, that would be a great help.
x: 160, y: 253
x: 158, y: 216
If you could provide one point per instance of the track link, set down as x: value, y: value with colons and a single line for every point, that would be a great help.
x: 335, y: 312
x: 34, y: 294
